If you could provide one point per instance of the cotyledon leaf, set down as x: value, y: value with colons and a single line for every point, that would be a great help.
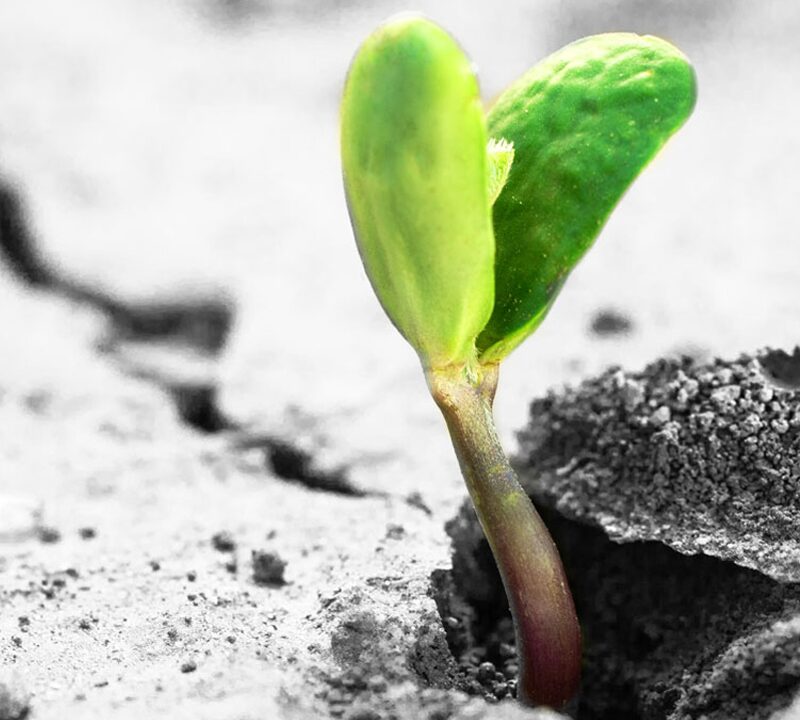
x: 583, y: 122
x: 414, y: 154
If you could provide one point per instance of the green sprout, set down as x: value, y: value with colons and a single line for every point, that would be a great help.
x: 468, y: 223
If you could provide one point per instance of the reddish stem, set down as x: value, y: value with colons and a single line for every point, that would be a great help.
x: 547, y: 630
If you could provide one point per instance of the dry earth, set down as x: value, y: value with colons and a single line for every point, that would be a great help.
x: 183, y: 157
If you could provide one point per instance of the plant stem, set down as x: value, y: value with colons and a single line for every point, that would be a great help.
x: 547, y: 630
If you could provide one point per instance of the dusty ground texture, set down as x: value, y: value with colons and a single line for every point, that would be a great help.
x: 702, y: 457
x: 142, y: 561
x: 191, y: 348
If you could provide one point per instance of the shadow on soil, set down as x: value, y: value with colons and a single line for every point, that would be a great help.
x: 293, y: 463
x: 665, y: 635
x: 782, y: 368
x: 173, y: 342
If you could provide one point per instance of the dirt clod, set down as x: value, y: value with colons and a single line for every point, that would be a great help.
x: 703, y: 457
x: 268, y: 568
x: 189, y: 666
x: 48, y: 534
x: 223, y: 541
x: 610, y: 322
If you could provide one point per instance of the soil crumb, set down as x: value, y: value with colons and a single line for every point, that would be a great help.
x: 609, y: 323
x: 48, y: 534
x: 268, y: 568
x: 223, y: 542
x: 188, y: 667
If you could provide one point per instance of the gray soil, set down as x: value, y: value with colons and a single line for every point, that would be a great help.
x: 665, y: 635
x: 704, y: 458
x: 196, y: 375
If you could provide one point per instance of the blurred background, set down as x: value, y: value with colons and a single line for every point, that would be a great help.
x: 190, y: 150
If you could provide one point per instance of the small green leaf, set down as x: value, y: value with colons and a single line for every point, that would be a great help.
x: 416, y: 178
x: 584, y: 122
x: 501, y: 155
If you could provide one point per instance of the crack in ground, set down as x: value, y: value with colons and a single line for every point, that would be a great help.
x: 666, y: 635
x: 293, y: 463
x: 144, y: 338
x: 173, y: 342
x: 17, y: 247
x: 202, y: 323
x: 198, y: 407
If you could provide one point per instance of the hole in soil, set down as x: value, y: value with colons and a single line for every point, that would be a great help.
x: 201, y: 322
x: 295, y: 464
x: 781, y: 368
x: 195, y: 325
x: 656, y: 626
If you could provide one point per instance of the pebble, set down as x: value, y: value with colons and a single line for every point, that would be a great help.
x: 223, y: 541
x: 268, y: 568
x: 486, y: 671
x: 48, y: 534
x: 661, y: 416
x: 500, y: 690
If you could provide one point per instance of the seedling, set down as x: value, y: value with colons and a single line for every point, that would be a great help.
x: 468, y: 224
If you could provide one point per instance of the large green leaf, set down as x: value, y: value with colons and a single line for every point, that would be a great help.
x: 414, y: 152
x: 583, y: 122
